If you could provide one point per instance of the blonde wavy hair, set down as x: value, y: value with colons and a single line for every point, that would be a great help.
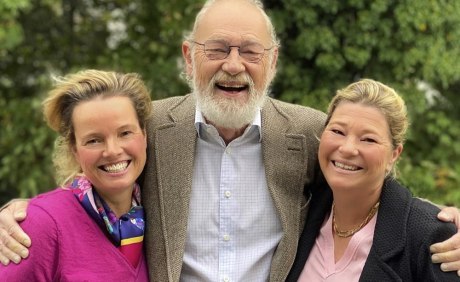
x: 86, y: 85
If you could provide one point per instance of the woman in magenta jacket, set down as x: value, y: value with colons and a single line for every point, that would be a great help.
x: 92, y: 227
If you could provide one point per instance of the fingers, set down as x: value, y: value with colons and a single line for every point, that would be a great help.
x: 13, y: 241
x: 19, y: 215
x: 447, y: 257
x: 11, y: 249
x: 451, y: 266
x: 15, y: 211
x: 448, y: 254
x: 448, y: 250
x: 19, y: 209
x: 3, y: 259
x: 450, y: 214
x: 7, y: 255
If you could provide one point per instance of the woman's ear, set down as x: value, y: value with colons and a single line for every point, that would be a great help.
x: 395, y: 156
x: 73, y: 149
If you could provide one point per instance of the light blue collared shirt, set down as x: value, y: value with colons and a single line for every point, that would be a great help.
x: 233, y: 227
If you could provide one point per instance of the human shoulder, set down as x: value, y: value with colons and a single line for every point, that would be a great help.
x: 302, y: 117
x: 423, y: 220
x: 43, y: 260
x: 405, y: 229
x: 162, y: 110
x: 295, y: 108
x: 56, y: 206
x: 167, y: 104
x: 423, y: 230
x: 43, y: 215
x: 48, y: 215
x: 58, y: 200
x: 421, y: 215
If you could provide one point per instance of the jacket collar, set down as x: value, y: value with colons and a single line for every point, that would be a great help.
x: 394, y: 204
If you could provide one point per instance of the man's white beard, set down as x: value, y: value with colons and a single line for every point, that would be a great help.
x: 227, y: 112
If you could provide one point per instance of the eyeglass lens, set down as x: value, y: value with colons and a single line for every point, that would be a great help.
x: 219, y: 50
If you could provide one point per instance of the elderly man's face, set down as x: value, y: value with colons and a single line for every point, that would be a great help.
x: 230, y: 90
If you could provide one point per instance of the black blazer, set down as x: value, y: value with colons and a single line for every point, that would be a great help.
x: 405, y: 229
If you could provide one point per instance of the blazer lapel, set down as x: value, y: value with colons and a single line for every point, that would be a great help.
x: 175, y: 149
x: 284, y: 152
x: 390, y: 235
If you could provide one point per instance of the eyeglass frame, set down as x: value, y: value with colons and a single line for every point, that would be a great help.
x: 230, y: 50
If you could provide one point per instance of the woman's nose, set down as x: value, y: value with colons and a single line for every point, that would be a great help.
x: 112, y: 147
x: 349, y: 147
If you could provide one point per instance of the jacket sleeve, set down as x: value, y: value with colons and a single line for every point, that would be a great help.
x: 42, y: 263
x: 426, y: 269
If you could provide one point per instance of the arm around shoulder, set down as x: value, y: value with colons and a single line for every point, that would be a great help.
x: 436, y: 231
x: 43, y: 260
x: 13, y: 241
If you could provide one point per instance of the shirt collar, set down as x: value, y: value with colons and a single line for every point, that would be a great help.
x: 257, y: 122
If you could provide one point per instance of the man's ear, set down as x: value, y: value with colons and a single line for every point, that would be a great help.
x: 275, y: 58
x: 274, y: 63
x: 187, y: 55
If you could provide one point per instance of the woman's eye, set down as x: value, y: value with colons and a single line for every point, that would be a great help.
x: 336, y: 131
x: 126, y: 133
x: 92, y: 141
x: 369, y: 140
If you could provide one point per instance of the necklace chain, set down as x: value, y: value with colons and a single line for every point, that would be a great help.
x: 348, y: 233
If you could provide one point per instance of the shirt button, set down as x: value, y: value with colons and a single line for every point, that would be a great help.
x: 228, y: 194
x: 226, y: 238
x: 226, y: 279
x: 228, y: 151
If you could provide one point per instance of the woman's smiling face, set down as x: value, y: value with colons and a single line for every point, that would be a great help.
x: 110, y: 145
x: 355, y: 149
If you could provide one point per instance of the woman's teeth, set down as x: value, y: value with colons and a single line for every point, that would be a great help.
x: 112, y: 168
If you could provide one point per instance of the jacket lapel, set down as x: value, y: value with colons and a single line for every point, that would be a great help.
x: 390, y: 235
x: 175, y: 148
x: 284, y: 152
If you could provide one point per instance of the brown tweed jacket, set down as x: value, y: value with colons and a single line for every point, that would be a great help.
x: 289, y: 145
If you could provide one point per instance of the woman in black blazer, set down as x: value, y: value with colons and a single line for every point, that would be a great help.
x: 363, y: 225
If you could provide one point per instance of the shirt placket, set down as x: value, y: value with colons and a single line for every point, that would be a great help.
x: 227, y: 253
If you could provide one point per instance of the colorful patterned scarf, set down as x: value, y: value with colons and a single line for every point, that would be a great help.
x: 127, y: 232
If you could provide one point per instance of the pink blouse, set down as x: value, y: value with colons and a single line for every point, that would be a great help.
x: 321, y: 265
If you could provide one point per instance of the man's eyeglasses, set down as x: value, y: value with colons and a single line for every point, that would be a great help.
x: 252, y: 52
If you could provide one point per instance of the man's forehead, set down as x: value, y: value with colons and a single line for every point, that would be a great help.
x: 230, y: 19
x: 230, y: 37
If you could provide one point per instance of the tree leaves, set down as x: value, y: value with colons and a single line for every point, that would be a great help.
x: 325, y: 46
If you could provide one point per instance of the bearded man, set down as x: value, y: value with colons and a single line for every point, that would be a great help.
x: 230, y: 163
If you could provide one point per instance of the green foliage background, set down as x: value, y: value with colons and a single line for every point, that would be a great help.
x: 411, y: 45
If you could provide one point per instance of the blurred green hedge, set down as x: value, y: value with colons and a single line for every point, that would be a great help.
x: 411, y: 45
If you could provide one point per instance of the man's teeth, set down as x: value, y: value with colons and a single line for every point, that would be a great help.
x: 346, y: 167
x: 116, y: 167
x: 230, y: 85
